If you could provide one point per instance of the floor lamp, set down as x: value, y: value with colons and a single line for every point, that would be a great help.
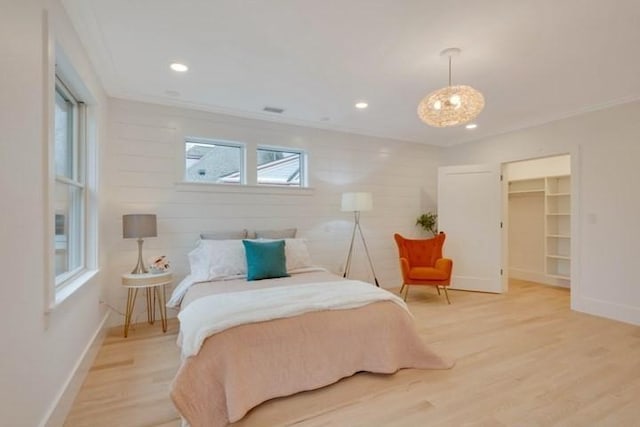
x: 356, y: 203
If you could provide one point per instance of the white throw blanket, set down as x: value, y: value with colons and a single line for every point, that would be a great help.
x: 182, y: 288
x: 215, y: 313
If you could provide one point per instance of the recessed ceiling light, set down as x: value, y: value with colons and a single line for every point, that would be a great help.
x: 172, y: 92
x: 471, y: 126
x: 176, y: 66
x: 361, y: 105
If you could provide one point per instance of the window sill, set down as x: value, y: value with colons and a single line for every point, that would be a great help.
x: 242, y: 189
x: 70, y: 288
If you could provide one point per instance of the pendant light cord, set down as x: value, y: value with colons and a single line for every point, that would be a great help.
x: 449, y: 70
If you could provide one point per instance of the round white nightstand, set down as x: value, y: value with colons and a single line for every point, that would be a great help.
x: 153, y: 284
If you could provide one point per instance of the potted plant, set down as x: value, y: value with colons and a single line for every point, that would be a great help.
x: 429, y: 222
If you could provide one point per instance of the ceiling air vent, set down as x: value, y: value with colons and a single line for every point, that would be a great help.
x: 273, y: 110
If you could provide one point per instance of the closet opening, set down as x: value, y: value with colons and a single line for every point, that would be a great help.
x: 538, y: 227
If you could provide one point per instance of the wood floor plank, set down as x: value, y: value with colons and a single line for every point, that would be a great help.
x: 522, y: 358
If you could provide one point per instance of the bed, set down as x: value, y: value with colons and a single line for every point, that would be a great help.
x: 245, y: 342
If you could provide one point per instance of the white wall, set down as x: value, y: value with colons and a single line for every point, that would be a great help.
x: 39, y: 350
x: 144, y: 162
x: 526, y: 236
x: 538, y: 168
x: 604, y: 153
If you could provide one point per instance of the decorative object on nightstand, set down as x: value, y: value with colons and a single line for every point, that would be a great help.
x: 158, y: 264
x: 153, y: 284
x: 356, y: 203
x: 137, y: 226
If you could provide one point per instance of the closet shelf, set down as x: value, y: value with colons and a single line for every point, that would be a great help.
x: 559, y: 236
x: 527, y: 186
x: 558, y: 194
x: 565, y: 257
x: 540, y: 191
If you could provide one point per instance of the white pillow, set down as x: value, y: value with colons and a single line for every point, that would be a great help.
x: 297, y: 254
x: 199, y: 264
x: 214, y: 259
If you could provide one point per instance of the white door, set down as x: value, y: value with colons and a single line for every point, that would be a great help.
x: 469, y: 212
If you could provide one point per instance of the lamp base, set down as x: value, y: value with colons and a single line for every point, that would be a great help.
x: 139, y: 268
x: 347, y: 266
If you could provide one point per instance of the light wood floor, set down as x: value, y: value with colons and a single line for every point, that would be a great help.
x: 523, y: 359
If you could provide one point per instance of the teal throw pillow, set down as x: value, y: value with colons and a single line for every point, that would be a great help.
x: 265, y: 260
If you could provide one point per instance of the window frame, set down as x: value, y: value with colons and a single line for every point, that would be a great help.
x: 219, y: 142
x: 78, y: 181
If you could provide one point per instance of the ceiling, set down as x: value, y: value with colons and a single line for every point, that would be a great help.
x: 534, y: 60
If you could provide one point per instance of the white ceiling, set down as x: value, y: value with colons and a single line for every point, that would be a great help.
x: 534, y: 60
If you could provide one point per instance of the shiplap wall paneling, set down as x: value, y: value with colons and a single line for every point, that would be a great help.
x: 144, y: 163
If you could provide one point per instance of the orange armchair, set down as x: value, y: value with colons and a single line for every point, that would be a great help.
x: 421, y: 263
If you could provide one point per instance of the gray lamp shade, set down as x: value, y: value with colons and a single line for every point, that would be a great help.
x: 136, y: 226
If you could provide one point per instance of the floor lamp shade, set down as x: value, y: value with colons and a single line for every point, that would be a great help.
x: 356, y: 202
x: 137, y: 226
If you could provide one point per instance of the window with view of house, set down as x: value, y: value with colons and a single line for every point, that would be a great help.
x: 224, y: 162
x: 69, y: 186
x: 280, y: 167
x: 214, y: 161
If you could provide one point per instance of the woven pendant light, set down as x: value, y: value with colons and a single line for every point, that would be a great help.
x: 451, y: 105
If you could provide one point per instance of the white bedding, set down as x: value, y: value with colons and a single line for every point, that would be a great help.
x: 215, y: 313
x: 180, y: 291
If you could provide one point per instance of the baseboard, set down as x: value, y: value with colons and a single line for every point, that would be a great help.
x: 610, y: 310
x: 535, y: 276
x: 61, y: 406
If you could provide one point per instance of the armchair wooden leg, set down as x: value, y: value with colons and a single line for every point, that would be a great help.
x: 438, y: 289
x: 406, y: 293
x: 402, y: 288
x: 446, y: 294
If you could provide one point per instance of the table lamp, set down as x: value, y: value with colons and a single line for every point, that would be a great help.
x: 137, y: 226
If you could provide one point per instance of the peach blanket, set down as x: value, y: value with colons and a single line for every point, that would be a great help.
x: 241, y: 367
x: 216, y: 313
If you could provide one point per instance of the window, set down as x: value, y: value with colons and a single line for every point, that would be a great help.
x: 214, y: 161
x: 280, y: 167
x: 225, y: 162
x: 69, y: 186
